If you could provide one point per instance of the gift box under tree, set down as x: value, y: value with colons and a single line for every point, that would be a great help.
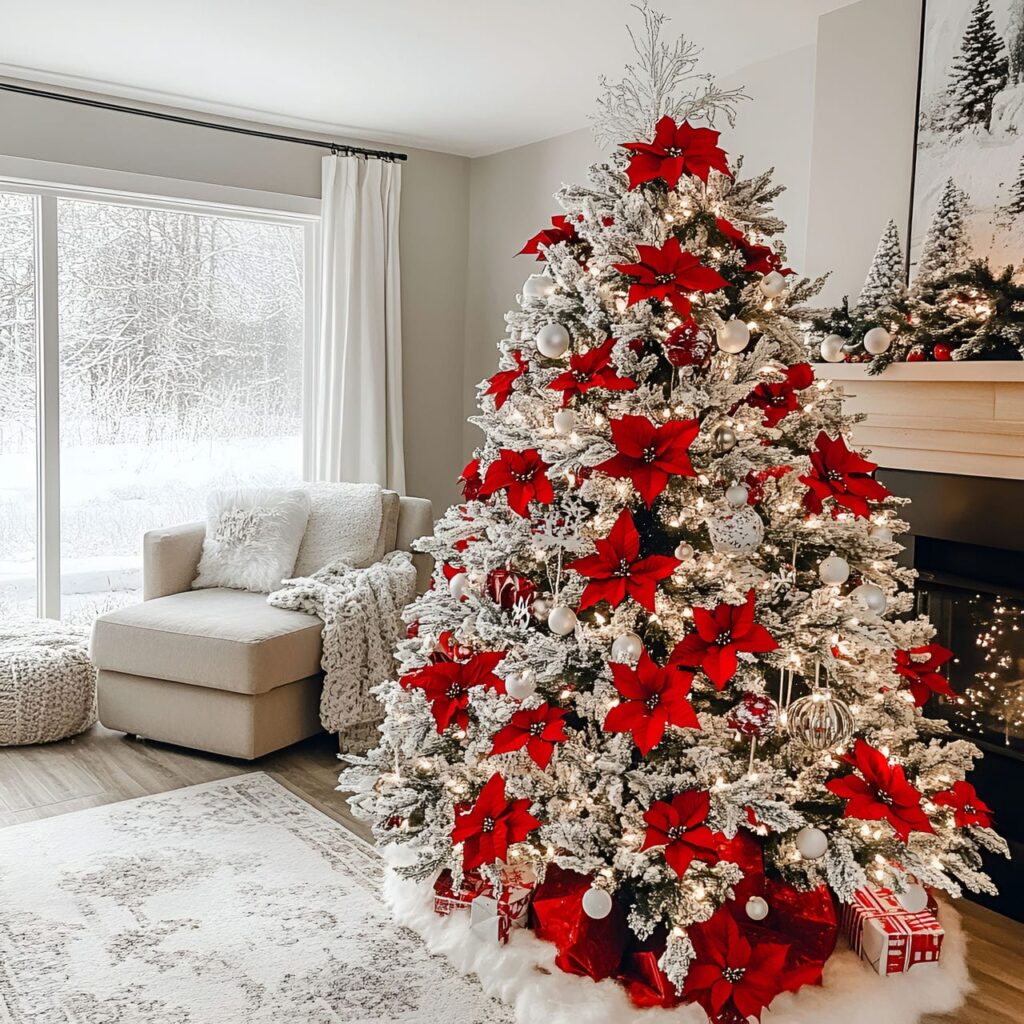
x: 492, y: 916
x: 890, y: 938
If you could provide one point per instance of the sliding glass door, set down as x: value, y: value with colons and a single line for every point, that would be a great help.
x: 174, y: 366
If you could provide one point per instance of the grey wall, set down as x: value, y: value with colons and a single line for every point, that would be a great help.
x: 434, y: 232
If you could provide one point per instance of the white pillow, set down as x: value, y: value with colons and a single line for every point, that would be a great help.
x: 344, y: 525
x: 252, y: 538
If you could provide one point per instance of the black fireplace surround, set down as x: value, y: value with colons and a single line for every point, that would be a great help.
x: 967, y: 543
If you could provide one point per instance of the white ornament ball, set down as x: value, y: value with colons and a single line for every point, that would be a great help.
x: 538, y: 286
x: 772, y: 285
x: 733, y: 336
x: 597, y: 904
x: 811, y: 842
x: 739, y: 531
x: 871, y: 597
x: 834, y: 570
x: 877, y: 341
x: 756, y: 908
x: 561, y: 620
x: 553, y: 341
x: 913, y: 899
x: 832, y: 349
x: 684, y: 551
x: 520, y: 685
x: 627, y: 647
x: 458, y: 586
x: 737, y: 495
x: 881, y: 533
x: 565, y: 421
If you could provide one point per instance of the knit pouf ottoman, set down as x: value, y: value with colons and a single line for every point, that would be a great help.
x: 47, y: 683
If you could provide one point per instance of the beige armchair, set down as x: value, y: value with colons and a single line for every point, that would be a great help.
x: 218, y: 670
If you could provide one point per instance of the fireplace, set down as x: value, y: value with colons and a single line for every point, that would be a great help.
x: 967, y: 544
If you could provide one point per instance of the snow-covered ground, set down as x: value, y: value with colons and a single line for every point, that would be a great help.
x: 110, y: 495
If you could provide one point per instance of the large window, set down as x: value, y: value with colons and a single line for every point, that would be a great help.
x: 148, y: 354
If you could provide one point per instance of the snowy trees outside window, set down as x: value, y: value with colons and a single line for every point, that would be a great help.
x: 180, y: 370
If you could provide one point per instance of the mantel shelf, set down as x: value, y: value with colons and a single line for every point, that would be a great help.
x: 965, y: 418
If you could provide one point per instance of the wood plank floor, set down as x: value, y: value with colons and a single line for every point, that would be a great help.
x: 101, y: 767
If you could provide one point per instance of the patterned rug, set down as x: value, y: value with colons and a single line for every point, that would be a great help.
x: 233, y: 902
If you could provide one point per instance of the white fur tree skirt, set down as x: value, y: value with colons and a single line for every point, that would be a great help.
x: 523, y: 975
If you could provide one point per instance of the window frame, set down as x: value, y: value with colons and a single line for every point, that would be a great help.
x: 47, y: 182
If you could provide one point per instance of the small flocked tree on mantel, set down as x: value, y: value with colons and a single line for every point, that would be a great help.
x: 669, y: 663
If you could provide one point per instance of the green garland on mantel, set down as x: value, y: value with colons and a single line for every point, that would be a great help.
x: 971, y: 314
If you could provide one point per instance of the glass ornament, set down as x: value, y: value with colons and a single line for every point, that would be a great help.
x: 820, y: 721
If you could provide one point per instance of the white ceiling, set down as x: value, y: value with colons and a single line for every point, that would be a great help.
x: 462, y: 76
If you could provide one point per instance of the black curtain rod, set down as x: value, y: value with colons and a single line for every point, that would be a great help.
x: 334, y: 147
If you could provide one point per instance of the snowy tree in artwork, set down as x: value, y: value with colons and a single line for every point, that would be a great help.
x: 669, y: 657
x: 884, y: 283
x: 979, y: 72
x: 945, y: 248
x: 1014, y: 207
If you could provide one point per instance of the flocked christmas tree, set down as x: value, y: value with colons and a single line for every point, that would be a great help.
x: 980, y: 70
x: 945, y: 250
x: 884, y: 283
x: 668, y: 652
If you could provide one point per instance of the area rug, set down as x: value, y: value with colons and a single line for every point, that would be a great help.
x: 233, y: 902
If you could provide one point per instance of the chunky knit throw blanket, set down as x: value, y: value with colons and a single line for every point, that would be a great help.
x: 362, y: 614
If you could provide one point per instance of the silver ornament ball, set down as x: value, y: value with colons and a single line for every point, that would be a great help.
x: 772, y: 285
x: 820, y: 721
x: 627, y: 647
x: 811, y: 842
x: 877, y: 341
x: 538, y: 286
x: 684, y: 551
x: 733, y: 336
x: 756, y: 908
x: 561, y: 620
x: 832, y: 348
x: 834, y: 570
x: 737, y: 495
x: 913, y: 899
x: 870, y: 597
x: 738, y: 531
x: 724, y: 438
x: 881, y: 533
x: 597, y: 904
x: 553, y: 341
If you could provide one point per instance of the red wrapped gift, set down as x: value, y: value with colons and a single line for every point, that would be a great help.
x: 448, y: 898
x: 644, y: 981
x: 491, y: 915
x: 891, y: 939
x: 585, y: 946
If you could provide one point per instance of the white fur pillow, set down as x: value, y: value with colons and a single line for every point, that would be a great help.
x: 345, y: 525
x: 252, y: 538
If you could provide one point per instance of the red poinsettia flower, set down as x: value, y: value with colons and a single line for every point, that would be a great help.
x: 844, y: 476
x: 732, y: 978
x: 588, y: 370
x: 491, y: 825
x: 470, y: 480
x: 678, y: 824
x: 522, y: 475
x: 509, y: 588
x: 689, y: 345
x: 881, y: 794
x: 447, y: 686
x: 537, y: 729
x: 968, y: 807
x: 919, y: 668
x: 617, y: 570
x: 649, y: 454
x: 720, y: 635
x: 500, y: 385
x: 779, y: 398
x: 561, y: 230
x: 677, y: 149
x: 669, y: 274
x: 653, y: 698
x: 761, y: 259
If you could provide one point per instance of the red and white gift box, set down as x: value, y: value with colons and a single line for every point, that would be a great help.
x: 891, y: 939
x: 490, y: 916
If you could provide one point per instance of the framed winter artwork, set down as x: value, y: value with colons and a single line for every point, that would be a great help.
x: 970, y: 127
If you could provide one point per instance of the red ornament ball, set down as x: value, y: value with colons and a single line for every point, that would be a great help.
x: 755, y: 715
x: 942, y: 353
x: 916, y: 355
x: 689, y: 345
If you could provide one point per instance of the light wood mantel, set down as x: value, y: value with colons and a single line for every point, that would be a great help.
x: 965, y: 418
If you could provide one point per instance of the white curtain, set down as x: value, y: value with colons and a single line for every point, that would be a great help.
x: 357, y: 391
